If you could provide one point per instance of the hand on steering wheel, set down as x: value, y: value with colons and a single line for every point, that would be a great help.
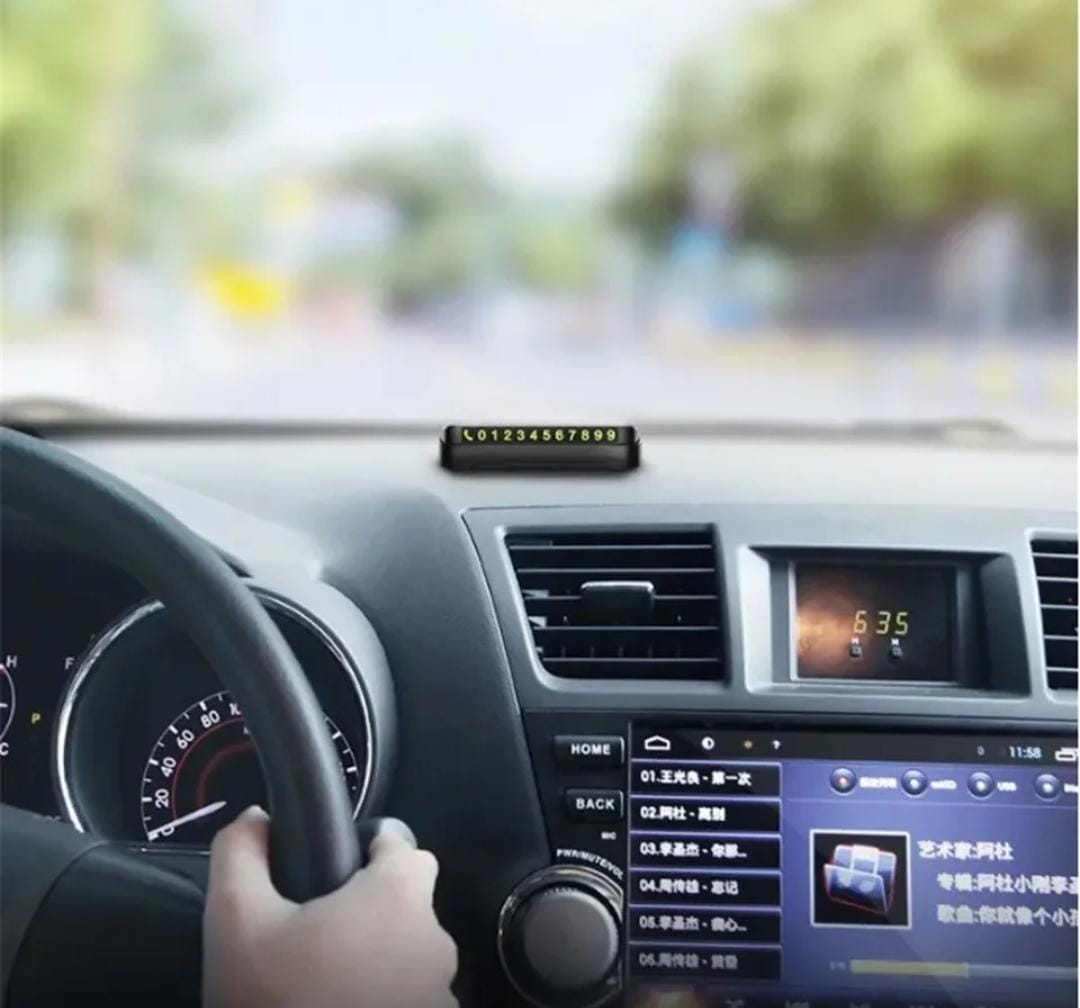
x: 373, y: 943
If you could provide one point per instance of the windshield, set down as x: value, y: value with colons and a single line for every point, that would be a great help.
x: 812, y: 212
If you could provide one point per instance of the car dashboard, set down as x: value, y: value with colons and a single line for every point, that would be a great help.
x: 772, y: 719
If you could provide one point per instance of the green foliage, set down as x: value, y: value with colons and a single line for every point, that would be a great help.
x: 438, y: 256
x: 53, y: 84
x: 422, y: 182
x: 556, y: 248
x: 847, y: 117
x: 458, y: 229
x: 90, y: 92
x: 695, y: 116
x: 441, y: 193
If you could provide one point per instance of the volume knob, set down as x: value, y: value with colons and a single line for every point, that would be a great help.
x: 559, y: 937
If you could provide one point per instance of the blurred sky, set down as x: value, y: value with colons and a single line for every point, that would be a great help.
x: 552, y: 91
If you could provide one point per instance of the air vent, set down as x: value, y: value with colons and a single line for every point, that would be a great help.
x: 1055, y: 571
x: 608, y: 604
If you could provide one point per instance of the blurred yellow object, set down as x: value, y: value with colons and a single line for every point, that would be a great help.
x: 247, y: 292
x: 1063, y: 386
x: 996, y: 377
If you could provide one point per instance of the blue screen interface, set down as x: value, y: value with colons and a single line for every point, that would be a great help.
x: 855, y: 870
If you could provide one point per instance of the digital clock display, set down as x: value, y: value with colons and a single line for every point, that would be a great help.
x: 1025, y: 753
x: 878, y: 622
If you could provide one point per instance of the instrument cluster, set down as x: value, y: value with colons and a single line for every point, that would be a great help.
x: 111, y: 719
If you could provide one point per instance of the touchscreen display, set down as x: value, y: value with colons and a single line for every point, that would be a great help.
x: 816, y: 869
x: 865, y: 621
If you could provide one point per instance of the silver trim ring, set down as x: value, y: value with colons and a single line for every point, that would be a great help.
x: 578, y: 876
x: 117, y: 629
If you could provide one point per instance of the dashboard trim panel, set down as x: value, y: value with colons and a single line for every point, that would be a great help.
x: 743, y: 536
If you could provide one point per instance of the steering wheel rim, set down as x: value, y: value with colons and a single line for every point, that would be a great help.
x: 313, y: 842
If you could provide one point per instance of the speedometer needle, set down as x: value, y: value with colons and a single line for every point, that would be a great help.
x: 199, y: 813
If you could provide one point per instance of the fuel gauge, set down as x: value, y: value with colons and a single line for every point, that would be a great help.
x: 7, y: 702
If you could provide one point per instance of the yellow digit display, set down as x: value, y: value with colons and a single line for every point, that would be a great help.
x: 525, y: 446
x: 576, y: 435
x: 886, y: 622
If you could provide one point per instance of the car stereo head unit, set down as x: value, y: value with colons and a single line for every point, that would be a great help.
x: 820, y: 868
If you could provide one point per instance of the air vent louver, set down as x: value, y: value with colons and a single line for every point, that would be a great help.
x: 608, y: 604
x: 1055, y: 571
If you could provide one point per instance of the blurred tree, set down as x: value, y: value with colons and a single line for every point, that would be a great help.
x: 556, y: 247
x: 421, y: 182
x: 844, y: 118
x: 458, y: 230
x: 441, y: 194
x: 694, y: 118
x: 90, y: 91
x: 52, y: 84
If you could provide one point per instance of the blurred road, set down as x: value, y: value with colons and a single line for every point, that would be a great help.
x: 412, y: 375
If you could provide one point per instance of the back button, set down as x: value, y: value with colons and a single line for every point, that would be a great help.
x: 594, y: 804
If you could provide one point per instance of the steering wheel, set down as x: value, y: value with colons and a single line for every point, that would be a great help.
x: 80, y: 915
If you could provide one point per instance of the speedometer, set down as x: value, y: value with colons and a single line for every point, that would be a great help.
x: 150, y: 747
x: 203, y: 771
